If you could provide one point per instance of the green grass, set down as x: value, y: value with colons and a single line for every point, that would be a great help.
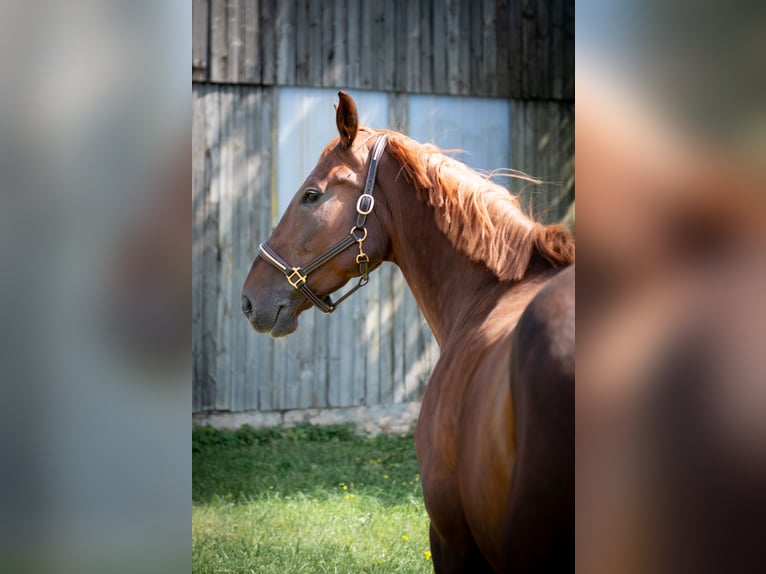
x: 306, y: 500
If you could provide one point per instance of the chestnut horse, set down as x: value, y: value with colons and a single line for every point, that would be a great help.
x: 495, y: 437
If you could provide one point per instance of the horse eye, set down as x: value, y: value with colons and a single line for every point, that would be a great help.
x: 311, y: 197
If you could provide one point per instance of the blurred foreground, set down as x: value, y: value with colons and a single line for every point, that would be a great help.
x: 94, y: 298
x: 671, y: 368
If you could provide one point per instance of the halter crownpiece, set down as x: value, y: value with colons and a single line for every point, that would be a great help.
x: 298, y: 276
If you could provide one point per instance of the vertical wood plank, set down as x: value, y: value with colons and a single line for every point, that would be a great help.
x: 440, y: 81
x: 454, y: 80
x: 286, y: 41
x: 543, y: 49
x: 354, y: 48
x: 210, y: 250
x: 253, y: 58
x: 502, y: 47
x: 530, y: 56
x: 557, y: 49
x: 372, y: 341
x: 221, y: 192
x: 319, y: 397
x: 267, y: 26
x: 399, y: 325
x: 473, y: 45
x: 340, y: 43
x: 568, y: 76
x: 399, y: 17
x: 464, y: 48
x: 316, y: 58
x: 198, y: 222
x: 516, y: 52
x: 200, y: 28
x: 218, y: 41
x: 234, y: 40
x: 335, y: 366
x: 385, y: 320
x: 489, y: 35
x: 426, y: 46
x: 302, y: 46
x: 366, y: 60
x: 413, y: 46
x: 329, y: 58
x: 381, y: 28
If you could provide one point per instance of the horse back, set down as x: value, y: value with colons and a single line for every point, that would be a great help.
x: 539, y: 532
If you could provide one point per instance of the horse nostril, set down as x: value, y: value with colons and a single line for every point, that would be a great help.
x: 247, y: 307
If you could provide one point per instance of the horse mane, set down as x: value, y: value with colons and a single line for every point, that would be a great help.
x: 481, y: 218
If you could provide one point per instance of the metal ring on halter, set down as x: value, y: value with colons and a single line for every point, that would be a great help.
x: 365, y: 197
x: 353, y: 233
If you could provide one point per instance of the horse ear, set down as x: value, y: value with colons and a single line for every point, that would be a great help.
x: 346, y: 118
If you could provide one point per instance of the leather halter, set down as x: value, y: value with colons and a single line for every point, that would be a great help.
x: 297, y: 276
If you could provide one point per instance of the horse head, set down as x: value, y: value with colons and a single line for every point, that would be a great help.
x: 329, y: 234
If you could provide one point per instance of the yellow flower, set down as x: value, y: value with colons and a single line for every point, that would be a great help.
x: 405, y: 537
x: 346, y: 497
x: 345, y: 487
x: 385, y: 476
x: 351, y: 496
x: 427, y: 554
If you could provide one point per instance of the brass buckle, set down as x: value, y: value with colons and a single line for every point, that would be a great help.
x: 296, y: 283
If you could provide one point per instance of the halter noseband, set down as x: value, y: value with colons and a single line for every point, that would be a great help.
x: 297, y: 276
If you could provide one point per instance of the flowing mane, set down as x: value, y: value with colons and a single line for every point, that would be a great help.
x: 481, y: 218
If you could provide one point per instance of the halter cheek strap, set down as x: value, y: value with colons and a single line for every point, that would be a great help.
x: 298, y: 276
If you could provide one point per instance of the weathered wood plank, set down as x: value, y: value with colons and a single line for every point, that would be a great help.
x: 354, y: 47
x: 316, y: 58
x: 286, y: 42
x: 503, y: 35
x: 372, y: 341
x: 489, y: 35
x: 398, y: 330
x: 556, y: 85
x: 267, y: 41
x: 412, y: 62
x: 516, y: 50
x: 569, y: 51
x: 200, y: 31
x: 426, y: 46
x: 340, y: 43
x: 253, y: 59
x: 219, y: 56
x: 319, y: 397
x: 464, y: 49
x: 473, y: 46
x: 385, y: 320
x: 210, y: 250
x: 454, y: 79
x: 302, y: 47
x: 328, y: 56
x: 198, y: 197
x: 242, y: 205
x: 235, y: 41
x: 366, y: 57
x: 529, y: 50
x: 440, y: 77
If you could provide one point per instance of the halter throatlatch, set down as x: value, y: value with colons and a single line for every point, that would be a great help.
x: 298, y: 276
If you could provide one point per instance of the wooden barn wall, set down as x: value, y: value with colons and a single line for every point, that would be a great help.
x: 496, y: 48
x: 376, y: 349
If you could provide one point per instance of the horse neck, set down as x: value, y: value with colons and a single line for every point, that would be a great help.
x: 449, y: 288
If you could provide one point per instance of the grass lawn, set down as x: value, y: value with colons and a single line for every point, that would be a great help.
x: 306, y: 499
